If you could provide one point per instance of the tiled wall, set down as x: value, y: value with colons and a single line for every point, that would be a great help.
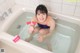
x: 30, y: 4
x: 67, y: 7
x: 5, y: 9
x: 5, y: 6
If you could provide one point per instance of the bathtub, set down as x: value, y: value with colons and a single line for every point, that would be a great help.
x: 20, y: 47
x: 64, y: 40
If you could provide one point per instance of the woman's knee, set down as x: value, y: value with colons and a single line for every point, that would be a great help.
x: 31, y: 29
x: 43, y: 31
x: 36, y: 30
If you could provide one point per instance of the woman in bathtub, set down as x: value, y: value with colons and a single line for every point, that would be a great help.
x: 45, y: 24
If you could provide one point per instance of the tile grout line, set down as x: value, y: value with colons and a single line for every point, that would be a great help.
x: 61, y: 6
x: 75, y: 8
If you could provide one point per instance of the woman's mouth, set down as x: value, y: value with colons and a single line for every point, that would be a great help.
x: 42, y: 19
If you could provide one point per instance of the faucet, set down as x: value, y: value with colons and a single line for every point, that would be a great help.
x: 19, y: 26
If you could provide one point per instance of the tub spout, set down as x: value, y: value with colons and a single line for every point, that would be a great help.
x: 19, y: 26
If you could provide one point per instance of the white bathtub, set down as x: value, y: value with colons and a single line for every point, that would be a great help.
x: 6, y: 40
x: 67, y: 34
x: 9, y: 46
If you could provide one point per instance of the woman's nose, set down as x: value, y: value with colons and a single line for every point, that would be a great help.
x: 41, y: 15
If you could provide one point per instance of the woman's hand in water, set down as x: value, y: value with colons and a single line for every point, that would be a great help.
x: 31, y: 29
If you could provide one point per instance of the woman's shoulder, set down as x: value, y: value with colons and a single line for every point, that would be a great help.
x: 49, y: 16
x: 50, y: 20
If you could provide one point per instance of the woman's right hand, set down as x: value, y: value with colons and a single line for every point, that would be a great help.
x: 31, y: 29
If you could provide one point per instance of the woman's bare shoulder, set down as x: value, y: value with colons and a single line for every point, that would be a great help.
x: 51, y: 19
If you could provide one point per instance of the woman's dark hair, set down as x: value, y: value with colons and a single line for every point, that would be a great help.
x: 42, y: 9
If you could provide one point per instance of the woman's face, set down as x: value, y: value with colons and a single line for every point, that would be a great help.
x: 41, y: 16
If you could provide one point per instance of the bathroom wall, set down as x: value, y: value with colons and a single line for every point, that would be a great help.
x: 30, y: 4
x: 4, y: 7
x: 67, y: 7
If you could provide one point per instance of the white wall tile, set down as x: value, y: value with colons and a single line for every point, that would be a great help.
x: 7, y: 4
x: 55, y: 7
x: 2, y: 1
x: 78, y: 2
x: 30, y: 3
x: 57, y: 1
x: 46, y: 0
x: 48, y: 5
x: 68, y: 9
x: 70, y: 2
x: 77, y: 11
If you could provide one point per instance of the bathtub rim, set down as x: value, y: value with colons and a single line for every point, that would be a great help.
x: 19, y: 45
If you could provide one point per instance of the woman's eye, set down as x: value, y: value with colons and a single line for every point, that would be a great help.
x: 38, y: 14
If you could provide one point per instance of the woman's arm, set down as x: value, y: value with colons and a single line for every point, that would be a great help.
x: 52, y: 27
x: 33, y: 21
x: 32, y: 26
